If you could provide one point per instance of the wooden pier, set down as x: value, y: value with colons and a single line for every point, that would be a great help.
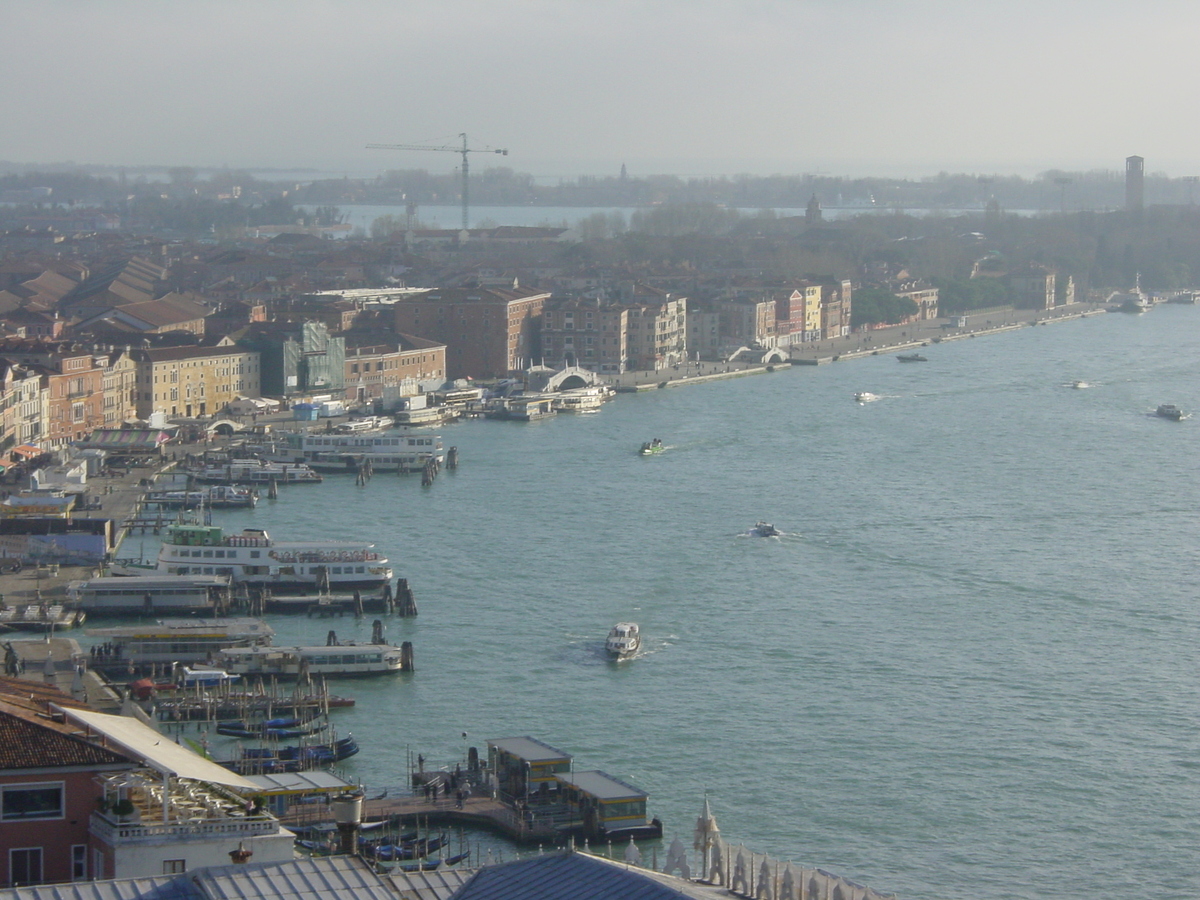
x: 476, y: 812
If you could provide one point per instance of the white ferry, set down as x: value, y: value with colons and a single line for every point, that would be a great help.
x: 251, y: 557
x: 582, y: 400
x: 258, y: 473
x: 339, y: 659
x: 387, y: 451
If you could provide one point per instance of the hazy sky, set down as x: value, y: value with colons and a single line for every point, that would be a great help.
x: 574, y: 87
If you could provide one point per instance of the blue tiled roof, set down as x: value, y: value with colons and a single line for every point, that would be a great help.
x: 565, y: 876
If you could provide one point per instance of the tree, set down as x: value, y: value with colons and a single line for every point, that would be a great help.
x: 875, y: 306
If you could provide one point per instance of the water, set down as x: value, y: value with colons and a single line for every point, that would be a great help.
x: 364, y: 215
x: 969, y: 668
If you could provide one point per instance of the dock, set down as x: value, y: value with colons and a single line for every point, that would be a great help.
x: 482, y: 813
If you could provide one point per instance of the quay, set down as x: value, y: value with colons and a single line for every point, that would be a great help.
x: 876, y: 342
x: 480, y: 813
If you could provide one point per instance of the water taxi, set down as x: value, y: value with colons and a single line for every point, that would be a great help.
x: 623, y: 641
x: 1169, y: 411
x: 865, y: 396
x: 764, y: 529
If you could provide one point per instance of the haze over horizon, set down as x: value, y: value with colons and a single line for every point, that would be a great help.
x: 687, y: 87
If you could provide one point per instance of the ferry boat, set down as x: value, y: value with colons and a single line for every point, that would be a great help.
x: 150, y: 592
x: 582, y: 400
x: 1169, y: 411
x: 345, y: 659
x: 253, y: 558
x: 219, y: 496
x: 189, y: 642
x: 623, y: 640
x: 258, y: 473
x: 333, y: 453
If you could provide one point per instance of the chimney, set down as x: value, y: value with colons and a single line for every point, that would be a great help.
x: 241, y: 855
x: 347, y: 813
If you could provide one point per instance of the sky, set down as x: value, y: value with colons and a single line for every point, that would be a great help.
x: 580, y: 87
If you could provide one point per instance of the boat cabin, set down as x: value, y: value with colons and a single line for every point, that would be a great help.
x: 524, y: 767
x: 150, y: 594
x: 170, y: 641
x: 605, y: 804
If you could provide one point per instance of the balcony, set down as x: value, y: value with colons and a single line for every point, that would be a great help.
x: 79, y: 395
x: 185, y: 810
x: 112, y: 831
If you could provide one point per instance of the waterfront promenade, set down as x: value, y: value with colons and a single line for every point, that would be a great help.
x: 893, y: 339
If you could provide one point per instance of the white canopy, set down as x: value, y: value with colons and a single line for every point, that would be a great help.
x: 157, y: 750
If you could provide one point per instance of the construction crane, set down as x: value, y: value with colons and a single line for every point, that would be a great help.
x: 464, y: 150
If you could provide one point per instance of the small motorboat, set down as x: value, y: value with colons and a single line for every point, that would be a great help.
x: 865, y: 397
x: 1080, y: 384
x: 764, y: 529
x: 911, y: 357
x: 623, y: 640
x: 651, y: 447
x: 1169, y: 411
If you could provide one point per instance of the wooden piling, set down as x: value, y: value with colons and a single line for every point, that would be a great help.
x: 406, y: 606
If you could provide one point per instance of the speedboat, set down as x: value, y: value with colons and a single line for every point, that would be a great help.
x: 911, y: 357
x: 1080, y: 384
x: 1169, y: 411
x: 865, y: 396
x: 623, y: 640
x: 652, y: 447
x: 764, y: 529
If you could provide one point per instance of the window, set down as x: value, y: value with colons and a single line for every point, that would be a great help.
x: 33, y: 801
x: 174, y: 866
x: 25, y: 866
x: 79, y: 862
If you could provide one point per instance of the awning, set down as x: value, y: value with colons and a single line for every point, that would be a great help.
x: 27, y: 450
x: 157, y: 750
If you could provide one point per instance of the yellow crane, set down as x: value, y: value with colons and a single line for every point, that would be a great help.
x: 464, y: 150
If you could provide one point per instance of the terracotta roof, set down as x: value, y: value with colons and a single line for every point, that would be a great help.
x: 30, y: 738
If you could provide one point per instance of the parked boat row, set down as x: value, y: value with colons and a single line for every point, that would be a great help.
x: 44, y: 617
